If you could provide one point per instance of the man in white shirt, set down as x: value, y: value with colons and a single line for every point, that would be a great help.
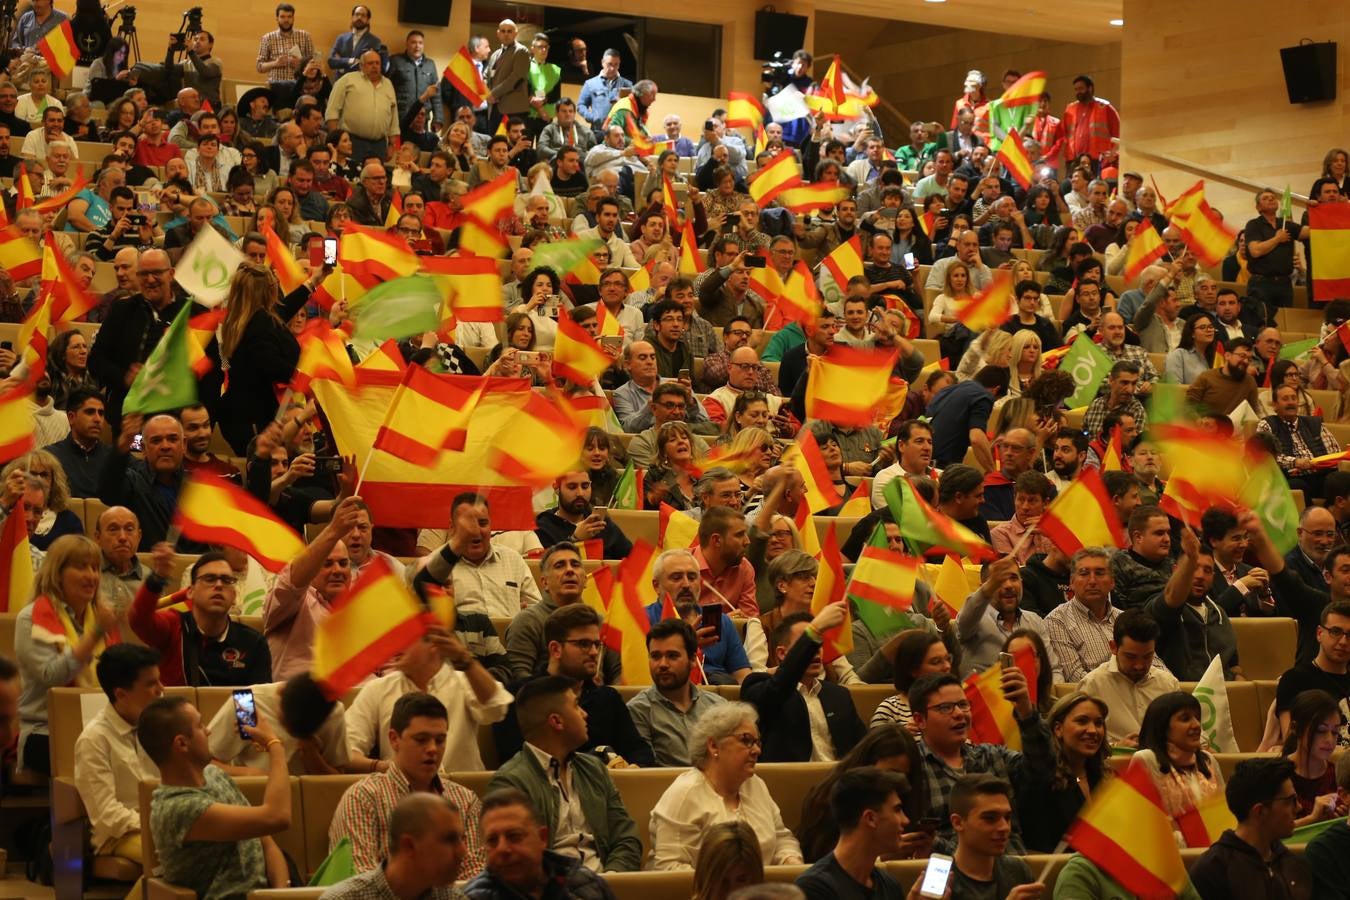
x: 1132, y: 678
x: 607, y: 212
x: 310, y: 726
x: 109, y: 761
x: 914, y: 459
x: 440, y: 665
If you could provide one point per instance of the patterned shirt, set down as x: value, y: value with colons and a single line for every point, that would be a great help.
x: 363, y: 816
x: 715, y: 373
x: 278, y: 45
x: 1300, y: 446
x: 1097, y: 412
x: 1135, y: 354
x: 373, y: 885
x: 214, y: 869
x: 1078, y: 642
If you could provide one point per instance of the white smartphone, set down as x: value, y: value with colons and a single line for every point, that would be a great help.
x: 936, y: 876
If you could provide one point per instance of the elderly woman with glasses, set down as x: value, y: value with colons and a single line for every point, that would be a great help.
x: 724, y: 746
x: 671, y: 479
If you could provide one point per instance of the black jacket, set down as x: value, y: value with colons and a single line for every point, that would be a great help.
x: 1231, y: 869
x: 1042, y: 589
x: 129, y: 482
x: 784, y: 724
x: 552, y: 528
x: 266, y: 356
x: 127, y: 335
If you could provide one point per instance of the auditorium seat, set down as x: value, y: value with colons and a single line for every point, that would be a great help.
x: 867, y: 697
x: 93, y: 508
x: 638, y: 524
x: 1266, y: 646
x: 1329, y: 401
x: 7, y: 629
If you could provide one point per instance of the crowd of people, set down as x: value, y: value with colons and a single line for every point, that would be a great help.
x: 708, y: 391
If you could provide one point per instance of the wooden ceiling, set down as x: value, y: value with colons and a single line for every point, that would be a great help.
x: 1080, y: 21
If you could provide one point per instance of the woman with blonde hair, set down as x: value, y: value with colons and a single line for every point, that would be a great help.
x: 728, y: 859
x: 257, y: 351
x: 1024, y: 364
x: 670, y: 479
x: 992, y: 347
x: 58, y: 637
x: 457, y: 142
x: 1078, y: 738
x: 758, y: 452
x: 58, y: 519
x: 955, y: 290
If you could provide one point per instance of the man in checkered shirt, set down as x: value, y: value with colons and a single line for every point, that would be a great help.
x: 281, y: 51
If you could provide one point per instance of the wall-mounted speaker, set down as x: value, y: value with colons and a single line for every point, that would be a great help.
x: 1310, y: 71
x: 424, y: 12
x: 777, y: 32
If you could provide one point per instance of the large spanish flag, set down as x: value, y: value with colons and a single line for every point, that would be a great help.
x: 323, y: 354
x: 283, y: 262
x: 993, y: 719
x: 213, y: 511
x: 744, y: 111
x: 845, y: 385
x: 59, y: 49
x: 1329, y: 225
x: 576, y: 355
x: 542, y: 441
x: 991, y: 307
x: 428, y: 416
x: 1083, y: 516
x: 472, y: 283
x: 830, y: 585
x: 845, y: 262
x: 799, y: 299
x: 782, y: 172
x: 373, y: 256
x: 19, y: 255
x: 463, y: 74
x: 405, y: 495
x: 491, y: 200
x: 374, y: 619
x: 477, y: 238
x: 1014, y: 158
x: 804, y: 456
x: 1125, y: 831
x: 16, y: 562
x: 808, y: 198
x: 1145, y: 248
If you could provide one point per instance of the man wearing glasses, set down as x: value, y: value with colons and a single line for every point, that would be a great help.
x: 199, y: 646
x: 370, y: 202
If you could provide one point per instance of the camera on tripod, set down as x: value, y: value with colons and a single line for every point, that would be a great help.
x: 777, y: 72
x: 192, y: 23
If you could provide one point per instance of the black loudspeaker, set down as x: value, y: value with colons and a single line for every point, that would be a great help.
x: 424, y: 12
x: 1310, y: 72
x: 778, y: 33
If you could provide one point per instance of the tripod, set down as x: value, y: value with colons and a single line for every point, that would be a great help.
x: 8, y: 20
x: 126, y: 30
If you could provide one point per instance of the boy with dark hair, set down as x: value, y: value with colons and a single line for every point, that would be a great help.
x: 309, y: 726
x: 867, y: 804
x: 982, y: 816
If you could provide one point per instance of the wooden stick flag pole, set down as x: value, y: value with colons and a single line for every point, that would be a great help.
x: 1050, y: 863
x: 1023, y: 541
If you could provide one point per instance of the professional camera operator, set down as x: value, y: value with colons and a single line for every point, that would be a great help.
x: 199, y: 70
x: 778, y: 74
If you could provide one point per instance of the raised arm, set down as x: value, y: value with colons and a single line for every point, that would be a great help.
x: 226, y: 823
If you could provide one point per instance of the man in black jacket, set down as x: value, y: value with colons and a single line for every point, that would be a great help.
x: 133, y: 329
x: 785, y: 698
x: 148, y: 487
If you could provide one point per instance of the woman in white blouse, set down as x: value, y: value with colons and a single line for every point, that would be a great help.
x: 955, y: 291
x: 722, y: 786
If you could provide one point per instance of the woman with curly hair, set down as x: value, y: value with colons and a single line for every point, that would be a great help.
x: 57, y: 519
x: 1078, y: 731
x: 68, y: 366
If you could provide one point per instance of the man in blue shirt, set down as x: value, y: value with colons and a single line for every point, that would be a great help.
x: 35, y: 23
x: 676, y: 578
x: 598, y: 94
x: 960, y: 414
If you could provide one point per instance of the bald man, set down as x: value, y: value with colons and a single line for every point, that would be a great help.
x: 426, y: 851
x: 149, y: 486
x: 508, y: 75
x: 118, y: 534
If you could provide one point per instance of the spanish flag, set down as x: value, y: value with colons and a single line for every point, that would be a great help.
x: 1113, y: 460
x: 643, y: 144
x: 859, y: 503
x: 23, y: 189
x: 463, y: 75
x: 884, y: 577
x: 16, y: 562
x: 33, y: 337
x: 926, y: 529
x: 576, y: 355
x: 491, y: 200
x: 1207, y: 470
x: 19, y: 255
x: 541, y: 442
x: 951, y: 587
x: 1025, y: 91
x: 845, y: 385
x: 690, y: 262
x: 991, y: 307
x: 1329, y: 226
x: 993, y: 719
x: 626, y: 622
x: 385, y: 358
x: 640, y: 279
x: 280, y: 258
x: 845, y: 262
x: 744, y: 111
x: 323, y: 354
x: 374, y: 620
x: 1145, y: 248
x: 832, y: 85
x: 474, y: 286
x: 429, y: 415
x: 799, y: 300
x: 201, y: 331
x: 1082, y: 516
x: 1207, y: 235
x: 69, y: 301
x: 61, y: 200
x: 338, y: 285
x: 1202, y: 825
x: 830, y: 583
x: 806, y: 527
x: 811, y: 197
x: 373, y: 256
x: 804, y: 456
x: 395, y: 210
x: 59, y: 49
x: 676, y: 530
x: 1125, y: 831
x: 608, y: 322
x: 670, y: 205
x: 477, y: 238
x: 781, y: 173
x: 1014, y: 159
x: 213, y: 511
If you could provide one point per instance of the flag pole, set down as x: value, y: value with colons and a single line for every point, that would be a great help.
x: 1054, y: 858
x: 1023, y: 541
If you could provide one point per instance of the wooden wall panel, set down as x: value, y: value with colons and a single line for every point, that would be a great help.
x: 1202, y: 82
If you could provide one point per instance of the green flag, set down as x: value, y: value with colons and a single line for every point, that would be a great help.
x: 628, y: 489
x: 882, y: 621
x: 923, y: 527
x: 1306, y: 833
x: 336, y: 866
x: 563, y: 256
x: 1287, y: 204
x: 1088, y: 365
x: 166, y: 381
x: 399, y: 308
x: 1297, y: 348
x: 1267, y: 492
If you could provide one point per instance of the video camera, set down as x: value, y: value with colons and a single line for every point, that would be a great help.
x: 777, y: 72
x: 192, y: 23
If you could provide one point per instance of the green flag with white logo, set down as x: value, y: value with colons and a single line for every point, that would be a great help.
x: 166, y: 381
x: 1088, y: 365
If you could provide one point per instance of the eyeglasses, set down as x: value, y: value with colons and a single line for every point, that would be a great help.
x: 746, y: 738
x: 671, y: 405
x: 1287, y: 798
x: 410, y: 232
x: 946, y: 709
x: 740, y: 332
x: 1336, y: 634
x: 585, y: 645
x: 742, y: 365
x: 222, y: 580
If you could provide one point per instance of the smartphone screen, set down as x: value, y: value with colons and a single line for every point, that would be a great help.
x: 755, y: 262
x: 244, y: 712
x: 936, y: 876
x: 710, y: 617
x: 909, y: 261
x: 136, y: 444
x: 330, y: 247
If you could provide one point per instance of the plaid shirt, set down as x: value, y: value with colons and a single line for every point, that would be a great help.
x: 1300, y: 446
x: 1097, y: 412
x: 1078, y: 642
x: 1034, y: 764
x: 363, y: 816
x: 277, y: 45
x: 1135, y: 354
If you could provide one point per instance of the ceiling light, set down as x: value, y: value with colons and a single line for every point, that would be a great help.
x: 1116, y: 22
x: 934, y: 1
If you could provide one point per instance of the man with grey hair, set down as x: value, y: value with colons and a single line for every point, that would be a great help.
x: 631, y: 120
x: 363, y: 104
x: 1094, y: 213
x: 720, y: 652
x: 1080, y: 631
x: 370, y: 202
x: 426, y: 850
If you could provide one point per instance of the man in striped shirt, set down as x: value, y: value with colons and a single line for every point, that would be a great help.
x: 418, y: 729
x: 280, y: 51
